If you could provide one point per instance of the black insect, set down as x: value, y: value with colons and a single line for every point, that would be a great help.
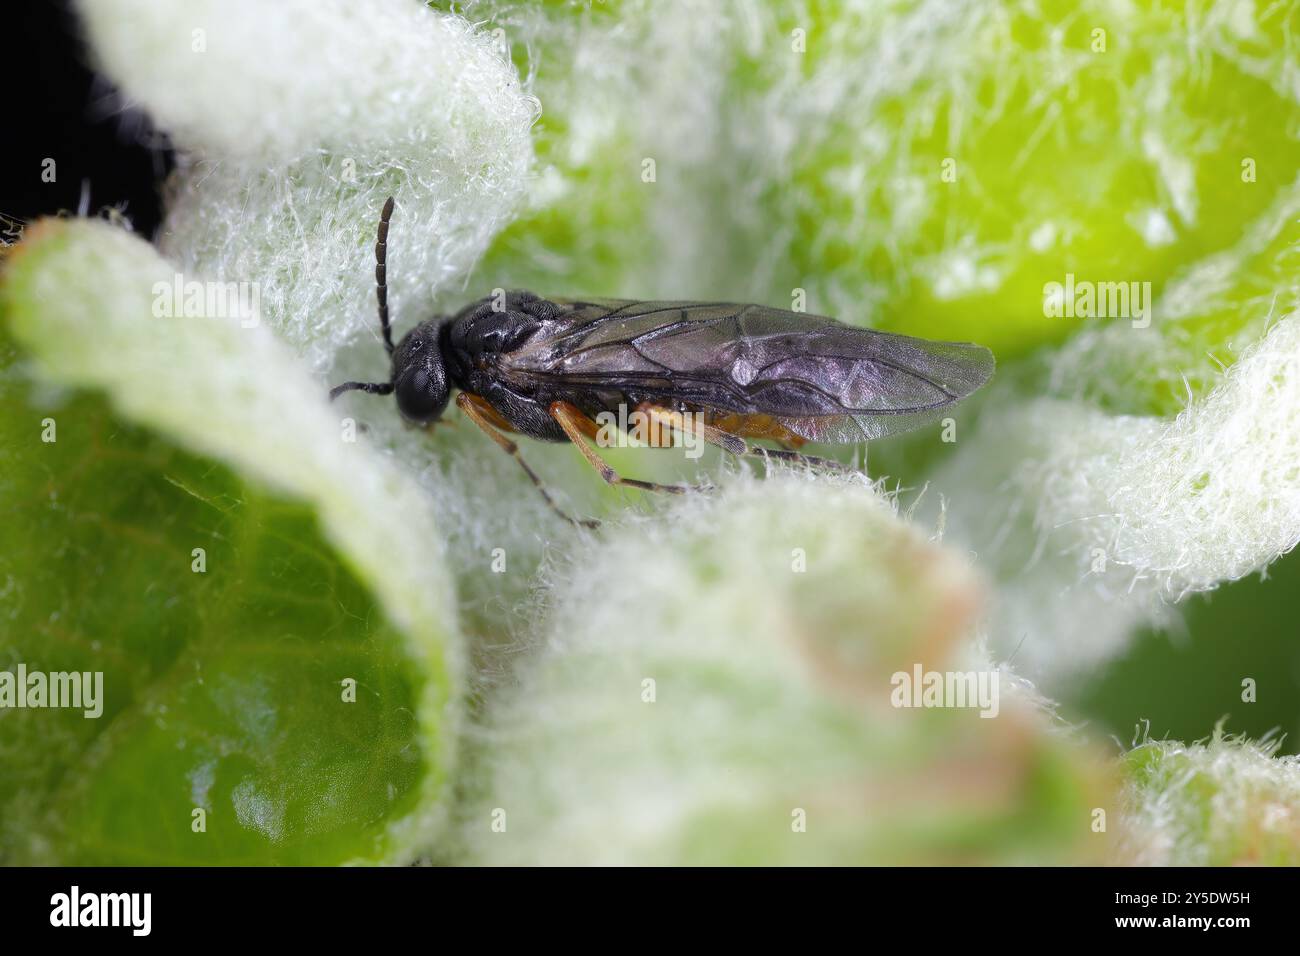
x: 548, y: 368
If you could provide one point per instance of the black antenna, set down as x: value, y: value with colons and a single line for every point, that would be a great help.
x: 381, y: 292
x: 381, y: 283
x: 372, y: 388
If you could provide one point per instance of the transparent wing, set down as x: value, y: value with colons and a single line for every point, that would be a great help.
x: 824, y: 380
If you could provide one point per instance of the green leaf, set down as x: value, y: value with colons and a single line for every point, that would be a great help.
x: 921, y: 168
x: 223, y: 668
x: 1223, y: 801
x: 718, y: 689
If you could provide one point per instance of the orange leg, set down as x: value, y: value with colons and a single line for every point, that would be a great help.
x: 729, y: 442
x: 579, y: 427
x: 482, y: 414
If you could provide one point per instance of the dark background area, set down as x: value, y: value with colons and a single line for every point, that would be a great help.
x: 59, y: 109
x: 1183, y: 683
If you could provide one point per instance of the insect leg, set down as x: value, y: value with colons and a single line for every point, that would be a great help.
x: 470, y: 405
x: 733, y: 443
x: 798, y: 458
x: 578, y: 427
x: 381, y: 281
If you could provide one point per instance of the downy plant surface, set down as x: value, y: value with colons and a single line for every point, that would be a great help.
x: 328, y: 643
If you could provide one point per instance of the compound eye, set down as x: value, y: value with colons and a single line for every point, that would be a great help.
x: 416, y: 398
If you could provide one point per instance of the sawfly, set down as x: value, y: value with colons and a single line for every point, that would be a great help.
x: 549, y: 368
